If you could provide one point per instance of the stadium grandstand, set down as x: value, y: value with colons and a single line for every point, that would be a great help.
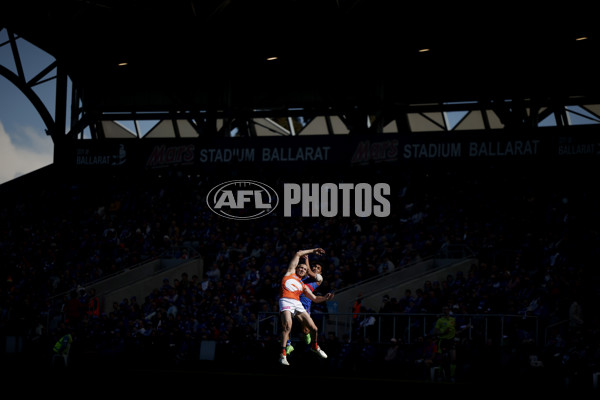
x: 442, y: 157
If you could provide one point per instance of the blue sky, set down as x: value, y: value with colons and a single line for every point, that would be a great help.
x: 24, y: 145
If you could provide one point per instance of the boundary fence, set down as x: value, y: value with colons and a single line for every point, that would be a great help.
x: 382, y: 327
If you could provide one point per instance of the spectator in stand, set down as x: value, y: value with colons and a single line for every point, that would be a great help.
x: 214, y: 273
x: 93, y: 310
x: 427, y: 352
x: 575, y: 318
x: 74, y: 310
x: 55, y: 253
x: 405, y: 300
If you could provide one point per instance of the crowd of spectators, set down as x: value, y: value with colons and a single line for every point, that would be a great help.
x: 529, y: 232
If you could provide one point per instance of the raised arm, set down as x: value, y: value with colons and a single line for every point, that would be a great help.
x: 317, y: 277
x: 299, y: 254
x: 309, y: 271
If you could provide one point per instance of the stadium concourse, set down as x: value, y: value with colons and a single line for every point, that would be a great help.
x: 531, y: 228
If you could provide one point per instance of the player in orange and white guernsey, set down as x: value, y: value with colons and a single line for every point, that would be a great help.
x: 290, y: 306
x: 312, y: 280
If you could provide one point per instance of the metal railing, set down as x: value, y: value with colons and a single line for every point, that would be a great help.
x: 382, y: 327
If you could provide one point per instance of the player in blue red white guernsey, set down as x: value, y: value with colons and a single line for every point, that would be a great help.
x: 290, y: 306
x: 312, y: 281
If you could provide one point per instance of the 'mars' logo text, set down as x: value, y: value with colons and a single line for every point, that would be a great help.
x: 242, y: 199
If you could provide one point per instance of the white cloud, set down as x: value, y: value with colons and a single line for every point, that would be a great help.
x: 30, y: 152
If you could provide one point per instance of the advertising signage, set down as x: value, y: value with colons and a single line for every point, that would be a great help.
x: 348, y: 150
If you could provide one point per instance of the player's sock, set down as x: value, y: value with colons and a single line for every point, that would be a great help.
x: 315, y: 348
x: 307, y: 338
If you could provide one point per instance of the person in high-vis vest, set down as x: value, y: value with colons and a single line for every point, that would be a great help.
x: 62, y: 347
x: 93, y: 304
x: 63, y: 344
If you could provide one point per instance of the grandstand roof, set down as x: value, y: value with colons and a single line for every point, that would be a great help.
x: 214, y: 53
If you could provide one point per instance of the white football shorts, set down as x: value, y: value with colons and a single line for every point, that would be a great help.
x: 291, y: 305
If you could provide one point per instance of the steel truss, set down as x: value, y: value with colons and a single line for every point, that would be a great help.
x: 326, y: 118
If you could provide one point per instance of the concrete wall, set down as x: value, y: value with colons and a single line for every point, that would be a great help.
x: 140, y: 281
x: 395, y: 283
